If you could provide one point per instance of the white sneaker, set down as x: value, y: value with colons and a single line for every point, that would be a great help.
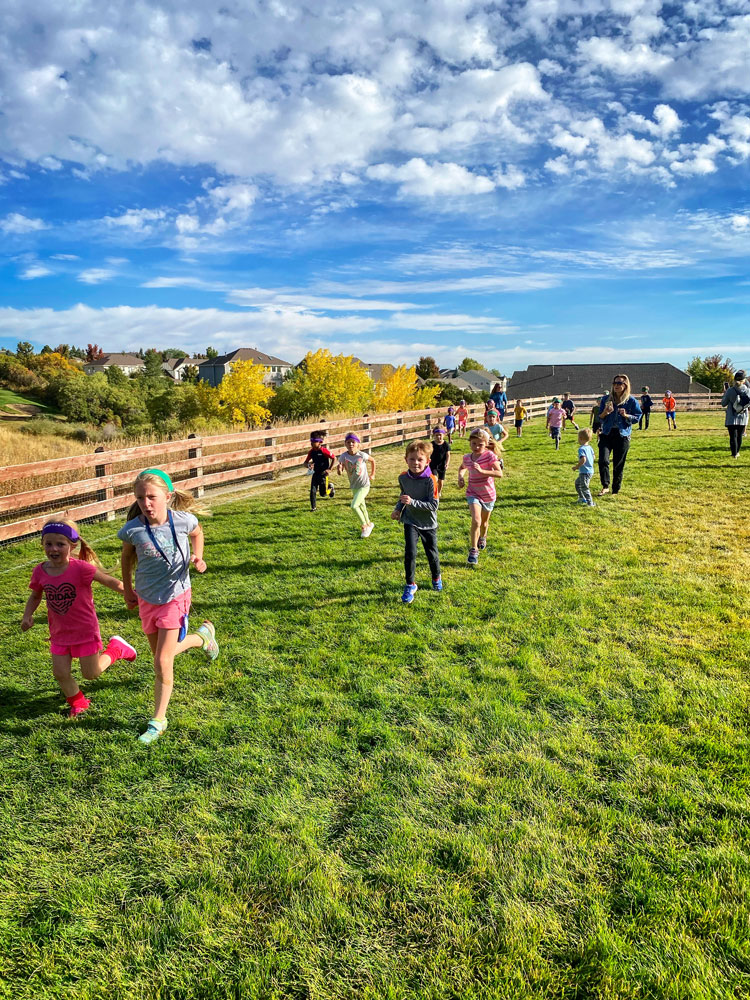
x: 367, y: 531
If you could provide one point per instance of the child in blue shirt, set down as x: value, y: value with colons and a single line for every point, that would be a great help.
x: 450, y: 423
x: 585, y: 468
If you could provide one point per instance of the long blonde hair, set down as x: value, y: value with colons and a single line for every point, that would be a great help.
x: 180, y: 499
x: 626, y: 391
x: 486, y: 437
x: 85, y: 552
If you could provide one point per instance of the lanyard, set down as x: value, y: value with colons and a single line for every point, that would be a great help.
x: 152, y: 539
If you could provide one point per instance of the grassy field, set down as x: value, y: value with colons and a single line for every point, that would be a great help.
x: 533, y: 785
x: 13, y: 399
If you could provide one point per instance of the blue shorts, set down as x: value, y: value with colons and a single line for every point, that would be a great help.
x: 670, y: 414
x: 554, y: 432
x: 484, y: 504
x: 518, y: 423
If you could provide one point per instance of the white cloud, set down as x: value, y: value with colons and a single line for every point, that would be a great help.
x: 95, y: 275
x: 65, y: 256
x: 741, y: 223
x: 509, y: 177
x: 137, y: 220
x: 423, y: 180
x: 310, y: 302
x: 35, y: 271
x: 17, y: 223
x: 638, y: 60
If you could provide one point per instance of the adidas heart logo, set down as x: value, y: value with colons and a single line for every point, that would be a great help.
x: 60, y: 597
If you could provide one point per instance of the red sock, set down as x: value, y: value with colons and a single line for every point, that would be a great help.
x: 78, y: 702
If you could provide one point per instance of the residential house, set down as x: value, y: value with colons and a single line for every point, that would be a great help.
x: 474, y: 380
x: 130, y: 364
x: 175, y: 367
x: 213, y: 370
x: 588, y: 380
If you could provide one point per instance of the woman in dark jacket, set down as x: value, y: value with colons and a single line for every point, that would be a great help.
x: 735, y: 401
x: 618, y: 411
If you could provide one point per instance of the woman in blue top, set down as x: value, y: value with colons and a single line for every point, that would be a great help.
x: 500, y: 399
x: 618, y: 411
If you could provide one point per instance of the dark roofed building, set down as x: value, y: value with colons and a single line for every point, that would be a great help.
x: 214, y: 369
x: 587, y: 380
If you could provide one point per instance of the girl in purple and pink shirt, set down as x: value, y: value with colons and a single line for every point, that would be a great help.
x: 482, y: 467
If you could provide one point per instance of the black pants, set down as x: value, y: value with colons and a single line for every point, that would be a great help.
x: 646, y: 415
x: 429, y: 541
x: 319, y: 483
x: 735, y: 438
x: 616, y: 445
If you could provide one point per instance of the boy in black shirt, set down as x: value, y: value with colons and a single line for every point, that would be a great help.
x: 647, y: 405
x: 440, y: 457
x: 320, y: 460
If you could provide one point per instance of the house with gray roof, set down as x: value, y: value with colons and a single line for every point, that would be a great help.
x: 213, y: 370
x: 589, y: 380
x: 175, y: 367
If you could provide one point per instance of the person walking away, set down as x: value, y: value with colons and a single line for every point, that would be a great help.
x: 736, y: 403
x: 354, y: 463
x: 417, y: 508
x: 584, y: 467
x: 440, y: 458
x: 618, y: 411
x: 647, y: 405
x: 555, y: 421
x: 670, y: 405
x: 570, y: 407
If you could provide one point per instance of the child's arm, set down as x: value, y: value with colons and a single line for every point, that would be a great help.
x: 331, y: 460
x: 447, y: 461
x: 109, y: 581
x: 372, y: 468
x: 196, y: 537
x: 127, y: 560
x: 504, y: 435
x: 581, y: 461
x: 35, y: 599
x: 339, y: 468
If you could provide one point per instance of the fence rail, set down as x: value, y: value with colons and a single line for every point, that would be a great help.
x: 32, y: 492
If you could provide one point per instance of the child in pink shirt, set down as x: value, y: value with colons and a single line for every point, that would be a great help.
x: 483, y: 467
x: 65, y: 583
x: 555, y: 421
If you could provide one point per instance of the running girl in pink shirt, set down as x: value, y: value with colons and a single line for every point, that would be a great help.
x: 65, y: 583
x: 483, y: 467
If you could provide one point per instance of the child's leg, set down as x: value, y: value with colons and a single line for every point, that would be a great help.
x: 484, y: 522
x: 439, y: 487
x: 429, y: 543
x: 579, y: 486
x: 410, y: 552
x: 358, y: 504
x: 476, y: 512
x: 63, y: 676
x: 313, y: 491
x: 94, y: 666
x: 164, y: 647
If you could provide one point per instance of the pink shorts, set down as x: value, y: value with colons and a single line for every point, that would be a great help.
x: 156, y: 616
x: 78, y: 651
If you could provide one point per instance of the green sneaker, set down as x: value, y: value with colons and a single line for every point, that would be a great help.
x: 154, y: 729
x: 208, y: 634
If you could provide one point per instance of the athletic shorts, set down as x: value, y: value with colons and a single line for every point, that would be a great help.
x: 518, y: 423
x: 170, y: 615
x: 77, y: 651
x: 554, y: 432
x: 484, y: 504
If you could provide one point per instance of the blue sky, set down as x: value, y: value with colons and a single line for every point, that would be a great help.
x: 552, y: 180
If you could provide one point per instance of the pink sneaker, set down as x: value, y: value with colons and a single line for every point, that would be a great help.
x: 78, y: 704
x: 118, y: 649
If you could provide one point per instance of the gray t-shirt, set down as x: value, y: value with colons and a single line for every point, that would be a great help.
x: 356, y: 468
x: 159, y: 580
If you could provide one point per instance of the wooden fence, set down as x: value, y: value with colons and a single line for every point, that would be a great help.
x: 98, y: 485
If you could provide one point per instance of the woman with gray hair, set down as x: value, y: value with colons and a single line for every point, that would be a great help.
x: 736, y: 402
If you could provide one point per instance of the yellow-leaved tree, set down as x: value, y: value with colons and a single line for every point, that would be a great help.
x: 398, y: 390
x: 209, y: 401
x: 324, y: 383
x: 244, y: 394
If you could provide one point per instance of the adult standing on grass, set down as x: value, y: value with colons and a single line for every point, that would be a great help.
x: 499, y: 399
x: 618, y: 411
x: 736, y: 401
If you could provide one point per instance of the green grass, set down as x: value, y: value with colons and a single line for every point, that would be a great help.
x: 534, y: 785
x: 7, y: 396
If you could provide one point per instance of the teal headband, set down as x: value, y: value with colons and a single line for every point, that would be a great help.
x: 162, y: 475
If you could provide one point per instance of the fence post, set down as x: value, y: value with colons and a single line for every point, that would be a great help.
x: 197, y: 472
x: 270, y: 443
x: 366, y: 432
x: 108, y: 492
x: 400, y: 423
x: 428, y: 422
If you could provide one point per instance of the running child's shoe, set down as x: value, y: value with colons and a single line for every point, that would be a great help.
x: 482, y: 543
x: 207, y: 632
x: 409, y: 591
x: 473, y: 557
x: 118, y: 649
x: 437, y: 584
x: 78, y: 704
x: 366, y: 530
x: 154, y: 730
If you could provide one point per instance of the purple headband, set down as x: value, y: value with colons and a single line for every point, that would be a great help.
x: 352, y: 437
x: 439, y: 430
x: 58, y: 528
x: 313, y: 439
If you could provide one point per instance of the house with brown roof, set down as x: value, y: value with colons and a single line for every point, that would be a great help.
x: 213, y: 370
x: 130, y: 364
x: 175, y: 367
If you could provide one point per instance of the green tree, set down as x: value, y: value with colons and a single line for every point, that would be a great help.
x: 24, y: 351
x: 190, y: 374
x: 152, y: 364
x: 116, y: 376
x: 63, y: 350
x: 78, y: 352
x: 188, y: 404
x: 46, y: 349
x: 211, y: 353
x: 712, y: 371
x: 470, y: 365
x: 427, y: 368
x: 162, y: 405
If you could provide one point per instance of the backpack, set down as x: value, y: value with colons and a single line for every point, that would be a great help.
x: 741, y: 399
